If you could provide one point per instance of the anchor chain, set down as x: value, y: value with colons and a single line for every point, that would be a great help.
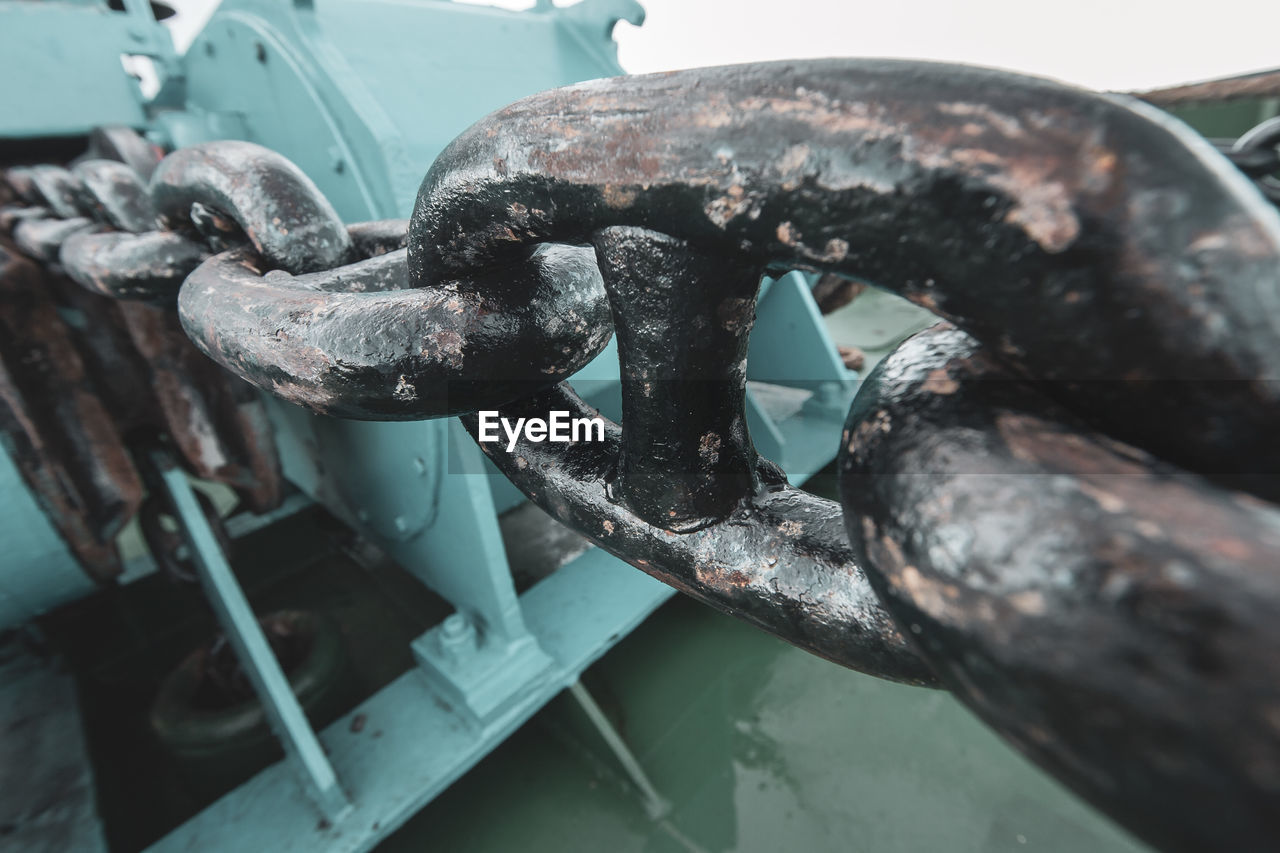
x: 1064, y: 500
x: 312, y: 311
x: 73, y: 344
x: 1059, y: 504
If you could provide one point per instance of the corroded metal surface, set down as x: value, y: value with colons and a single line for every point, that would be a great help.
x: 357, y: 342
x: 11, y: 215
x: 1108, y: 613
x: 149, y: 267
x: 1015, y: 207
x: 19, y: 181
x: 832, y: 292
x: 42, y: 239
x: 216, y: 422
x: 124, y: 145
x: 779, y: 561
x: 279, y: 210
x: 147, y: 378
x: 686, y: 460
x: 55, y: 427
x: 1111, y: 616
x: 115, y: 195
x: 116, y: 369
x: 59, y: 190
x: 317, y: 315
x: 680, y: 492
x: 165, y: 543
x: 222, y: 193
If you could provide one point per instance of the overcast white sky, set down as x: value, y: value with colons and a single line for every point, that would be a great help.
x: 1121, y: 44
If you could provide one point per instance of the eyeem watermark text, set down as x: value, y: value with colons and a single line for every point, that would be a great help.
x: 558, y: 427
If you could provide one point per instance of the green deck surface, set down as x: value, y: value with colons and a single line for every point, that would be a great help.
x: 760, y: 747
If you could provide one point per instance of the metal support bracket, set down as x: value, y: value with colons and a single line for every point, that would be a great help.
x: 484, y: 676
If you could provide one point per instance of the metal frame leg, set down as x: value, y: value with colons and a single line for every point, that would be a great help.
x: 250, y: 644
x: 654, y: 804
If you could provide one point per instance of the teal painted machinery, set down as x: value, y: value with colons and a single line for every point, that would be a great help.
x: 362, y: 95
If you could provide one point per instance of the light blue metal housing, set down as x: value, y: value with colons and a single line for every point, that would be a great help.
x: 362, y: 95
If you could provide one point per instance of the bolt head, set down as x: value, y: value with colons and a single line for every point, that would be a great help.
x: 455, y: 626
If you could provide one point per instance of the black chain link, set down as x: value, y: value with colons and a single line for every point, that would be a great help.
x: 1257, y: 154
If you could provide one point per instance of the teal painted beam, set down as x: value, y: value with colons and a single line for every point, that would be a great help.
x: 242, y: 630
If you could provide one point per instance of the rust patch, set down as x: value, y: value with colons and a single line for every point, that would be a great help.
x: 618, y: 197
x: 62, y: 437
x: 939, y: 381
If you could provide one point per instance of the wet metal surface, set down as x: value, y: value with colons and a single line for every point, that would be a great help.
x: 760, y: 748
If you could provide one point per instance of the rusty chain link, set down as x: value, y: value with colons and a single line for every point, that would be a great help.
x: 70, y: 398
x: 319, y: 314
x: 1059, y: 505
